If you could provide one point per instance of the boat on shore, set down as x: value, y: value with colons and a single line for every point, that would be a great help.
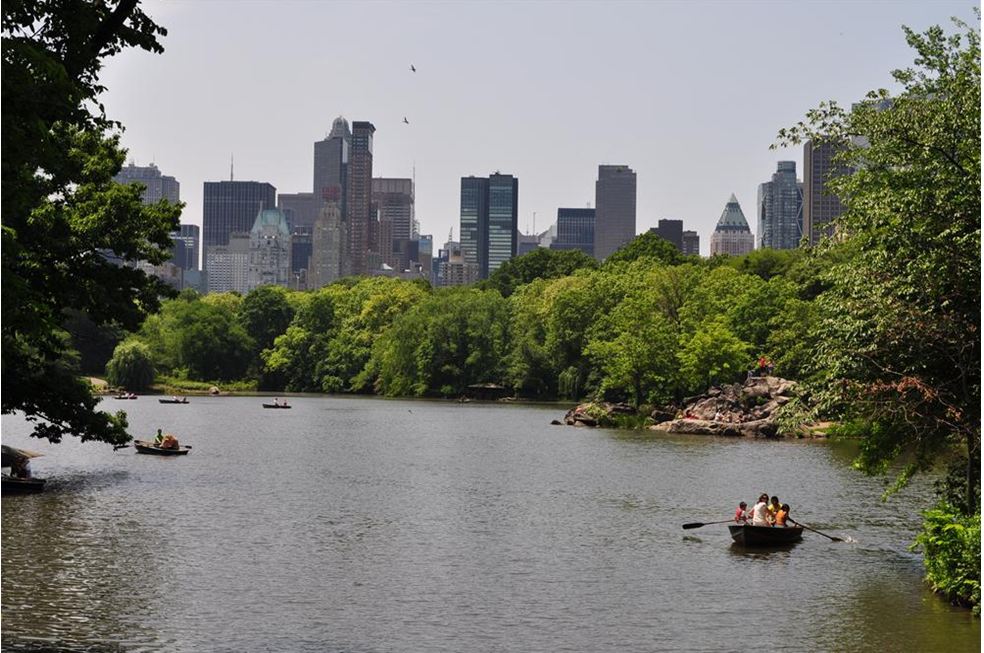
x: 748, y: 535
x: 148, y: 447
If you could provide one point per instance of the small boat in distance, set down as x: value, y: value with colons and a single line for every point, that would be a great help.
x: 276, y: 405
x: 125, y: 395
x: 146, y: 446
x: 19, y: 480
x: 174, y: 400
x: 748, y: 535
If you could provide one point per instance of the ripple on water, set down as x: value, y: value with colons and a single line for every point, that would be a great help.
x: 367, y: 525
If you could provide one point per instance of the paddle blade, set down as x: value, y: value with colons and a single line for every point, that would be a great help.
x: 696, y: 524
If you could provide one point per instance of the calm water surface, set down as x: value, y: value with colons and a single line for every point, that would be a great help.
x: 366, y: 525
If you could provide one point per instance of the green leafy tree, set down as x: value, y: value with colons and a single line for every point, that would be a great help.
x: 541, y: 263
x: 639, y: 353
x: 450, y: 340
x: 899, y: 338
x: 647, y: 245
x: 713, y: 355
x: 131, y: 366
x: 61, y: 209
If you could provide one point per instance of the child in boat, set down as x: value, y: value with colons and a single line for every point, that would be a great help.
x: 774, y: 508
x: 741, y: 513
x: 782, y: 515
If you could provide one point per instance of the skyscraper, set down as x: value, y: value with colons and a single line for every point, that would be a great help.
x: 301, y: 210
x: 393, y: 199
x: 780, y: 209
x: 158, y: 187
x: 691, y: 243
x: 228, y: 265
x: 188, y: 236
x: 489, y: 221
x: 269, y: 250
x: 615, y: 209
x: 503, y: 221
x: 820, y: 206
x: 732, y: 235
x: 328, y: 241
x: 230, y: 206
x: 671, y: 231
x: 331, y: 158
x: 358, y: 200
x: 474, y: 219
x: 575, y: 230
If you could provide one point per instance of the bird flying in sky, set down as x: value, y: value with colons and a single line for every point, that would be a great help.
x: 412, y: 69
x: 405, y: 120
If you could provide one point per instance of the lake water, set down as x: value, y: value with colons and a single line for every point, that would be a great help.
x: 365, y: 525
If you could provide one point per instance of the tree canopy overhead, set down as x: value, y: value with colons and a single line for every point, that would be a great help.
x: 899, y: 339
x: 62, y: 213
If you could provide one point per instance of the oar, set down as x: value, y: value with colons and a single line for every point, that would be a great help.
x: 698, y: 524
x: 832, y: 538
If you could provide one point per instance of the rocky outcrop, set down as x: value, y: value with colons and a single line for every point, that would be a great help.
x: 597, y: 414
x: 738, y: 410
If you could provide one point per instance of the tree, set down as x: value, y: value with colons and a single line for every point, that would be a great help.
x: 648, y: 245
x: 711, y: 356
x: 899, y: 339
x: 541, y: 263
x: 61, y: 210
x: 131, y: 366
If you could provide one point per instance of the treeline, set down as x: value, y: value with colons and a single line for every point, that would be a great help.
x: 649, y: 326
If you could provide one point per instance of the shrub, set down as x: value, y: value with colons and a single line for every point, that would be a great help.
x: 951, y: 546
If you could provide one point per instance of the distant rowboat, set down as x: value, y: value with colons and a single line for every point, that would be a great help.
x: 173, y: 401
x: 276, y: 406
x: 145, y: 446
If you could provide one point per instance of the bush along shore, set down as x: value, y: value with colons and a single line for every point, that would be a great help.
x: 750, y: 409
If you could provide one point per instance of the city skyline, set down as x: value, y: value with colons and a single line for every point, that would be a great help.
x: 664, y: 88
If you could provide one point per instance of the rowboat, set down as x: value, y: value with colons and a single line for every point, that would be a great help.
x: 276, y: 406
x: 748, y: 535
x: 146, y: 446
x: 126, y: 396
x: 173, y: 401
x: 13, y: 485
x: 19, y: 480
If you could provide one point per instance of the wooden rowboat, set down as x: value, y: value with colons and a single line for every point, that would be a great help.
x: 173, y: 401
x: 748, y: 535
x: 13, y: 485
x: 146, y: 446
x: 275, y: 406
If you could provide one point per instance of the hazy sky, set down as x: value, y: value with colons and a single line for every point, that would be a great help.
x: 689, y: 94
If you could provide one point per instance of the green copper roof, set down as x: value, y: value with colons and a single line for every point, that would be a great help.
x: 273, y: 218
x: 732, y: 219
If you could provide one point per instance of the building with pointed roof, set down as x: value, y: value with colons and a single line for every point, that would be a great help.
x: 732, y: 235
x: 269, y: 250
